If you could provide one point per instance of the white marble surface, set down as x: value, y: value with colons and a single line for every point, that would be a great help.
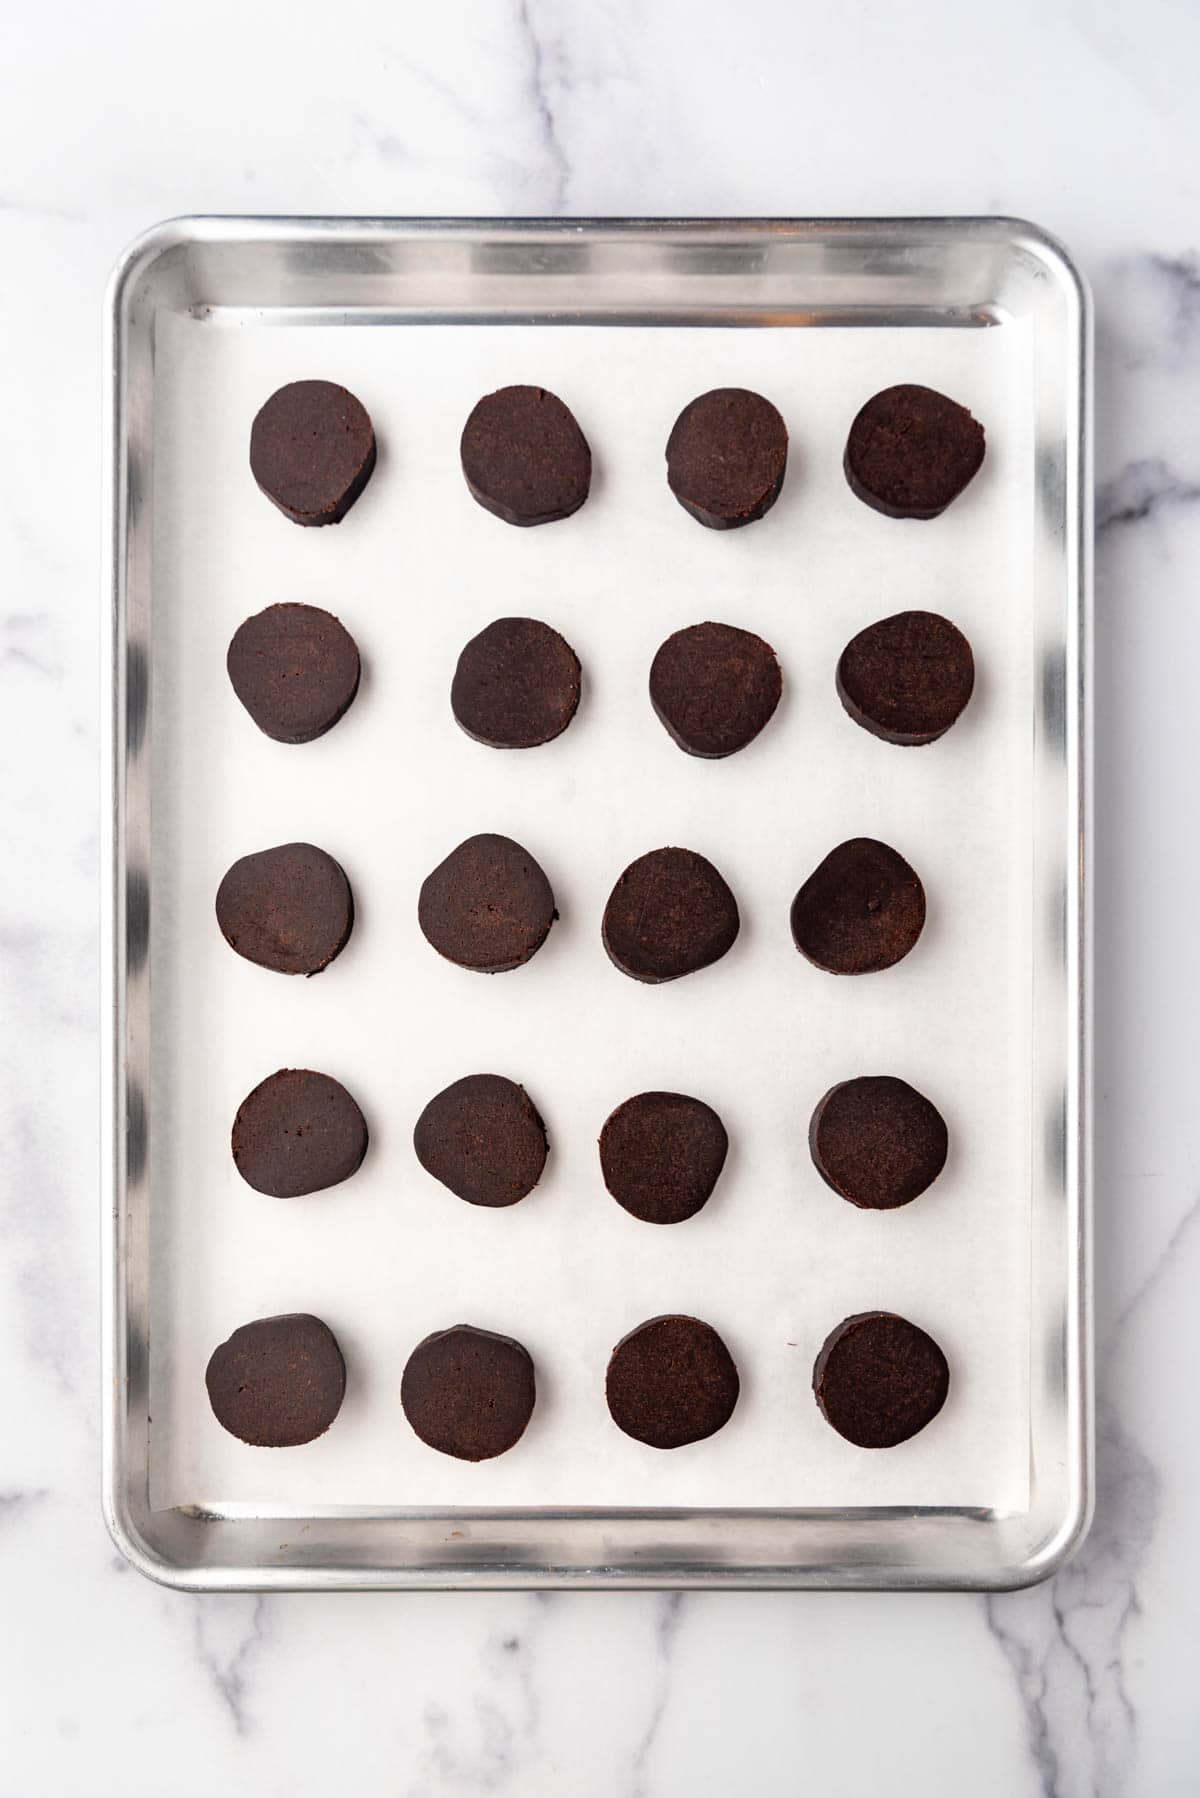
x: 1078, y: 113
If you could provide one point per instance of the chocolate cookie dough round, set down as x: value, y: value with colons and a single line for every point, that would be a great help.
x: 671, y: 1381
x: 516, y: 684
x: 877, y: 1141
x: 907, y: 678
x: 669, y: 914
x: 312, y: 450
x: 483, y: 1138
x: 879, y: 1379
x: 911, y: 451
x: 714, y: 687
x: 662, y: 1155
x: 468, y: 1393
x: 525, y: 457
x: 861, y: 910
x: 278, y: 1381
x: 488, y: 906
x: 295, y: 669
x: 298, y: 1132
x: 726, y: 457
x: 290, y: 908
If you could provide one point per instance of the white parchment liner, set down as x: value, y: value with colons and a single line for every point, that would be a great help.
x: 776, y: 1259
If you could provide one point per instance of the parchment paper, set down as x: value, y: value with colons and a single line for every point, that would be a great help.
x: 776, y: 1259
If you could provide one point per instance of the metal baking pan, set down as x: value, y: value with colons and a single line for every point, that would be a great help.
x: 194, y: 298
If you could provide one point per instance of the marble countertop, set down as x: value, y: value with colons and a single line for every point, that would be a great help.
x: 1079, y: 114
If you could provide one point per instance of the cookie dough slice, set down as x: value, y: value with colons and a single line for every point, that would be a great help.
x: 907, y: 678
x: 877, y: 1141
x: 298, y: 1132
x: 468, y: 1392
x: 288, y: 908
x: 714, y: 687
x: 482, y: 1138
x: 861, y: 910
x: 726, y: 457
x: 671, y: 1381
x: 277, y: 1382
x: 662, y: 1155
x: 516, y: 685
x: 295, y: 669
x: 312, y: 451
x: 911, y: 451
x: 524, y: 456
x: 488, y: 906
x: 669, y: 914
x: 879, y: 1379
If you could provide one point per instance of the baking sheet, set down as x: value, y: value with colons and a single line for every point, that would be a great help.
x: 775, y: 1259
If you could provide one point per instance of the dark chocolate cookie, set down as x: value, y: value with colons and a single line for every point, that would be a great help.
x: 714, y: 687
x: 861, y: 910
x: 288, y: 908
x: 295, y: 669
x: 525, y: 457
x: 516, y: 684
x: 907, y: 678
x: 669, y: 914
x: 671, y: 1381
x: 726, y: 457
x: 877, y: 1141
x: 911, y: 451
x: 488, y: 906
x: 879, y: 1379
x: 298, y: 1132
x: 278, y: 1381
x: 662, y: 1154
x: 312, y: 449
x: 483, y: 1139
x: 468, y: 1393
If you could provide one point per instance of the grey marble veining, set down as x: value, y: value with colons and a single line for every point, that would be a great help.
x: 542, y: 84
x: 1067, y: 1642
x: 671, y: 1607
x: 1141, y: 491
x: 1082, y: 117
x: 229, y: 1636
